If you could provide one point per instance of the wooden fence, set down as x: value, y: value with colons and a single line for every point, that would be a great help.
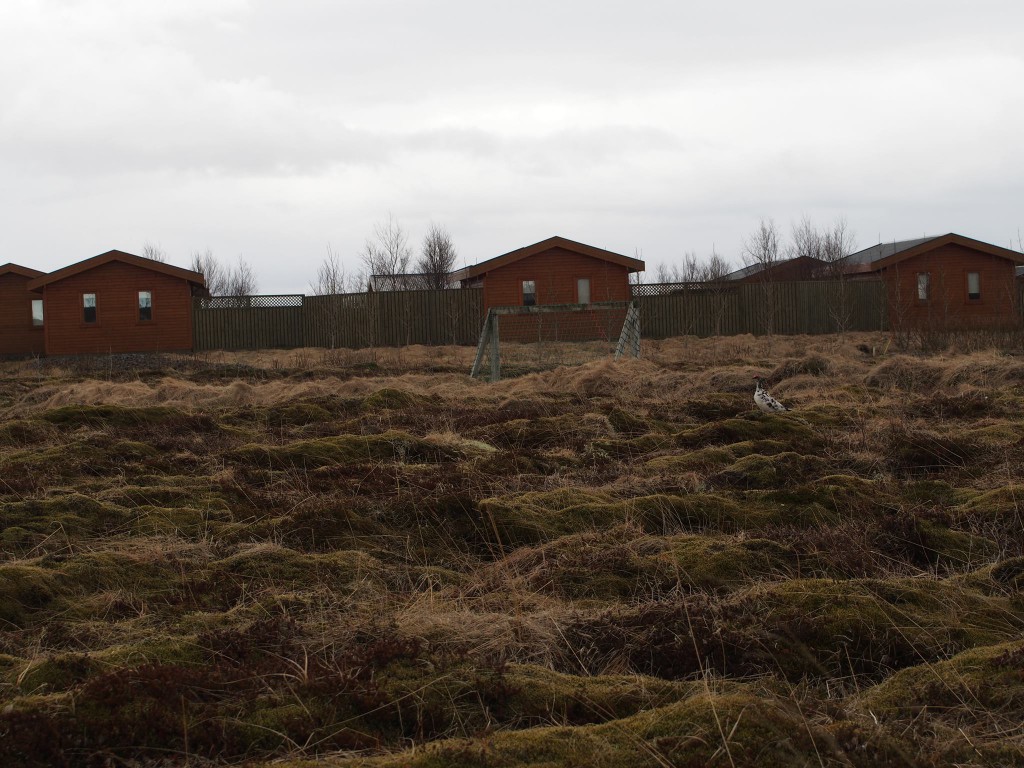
x: 355, y: 320
x: 727, y: 309
x: 455, y: 316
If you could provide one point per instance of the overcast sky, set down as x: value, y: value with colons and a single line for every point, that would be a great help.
x: 272, y: 130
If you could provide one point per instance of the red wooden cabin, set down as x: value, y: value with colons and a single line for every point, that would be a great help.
x: 117, y: 302
x: 553, y: 271
x: 945, y: 282
x: 21, y: 312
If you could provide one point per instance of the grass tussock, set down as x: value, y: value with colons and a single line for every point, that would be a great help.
x: 349, y: 558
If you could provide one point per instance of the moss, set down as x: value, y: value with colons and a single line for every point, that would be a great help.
x: 847, y: 494
x: 736, y: 430
x: 970, y: 687
x: 146, y: 573
x: 720, y: 563
x: 632, y: 447
x: 933, y: 492
x: 537, y: 517
x: 913, y: 451
x: 868, y: 626
x: 55, y: 673
x: 70, y: 514
x: 809, y: 365
x: 1009, y: 573
x: 1007, y: 501
x: 299, y: 414
x: 699, y: 460
x: 716, y: 406
x: 23, y: 432
x: 390, y: 398
x: 129, y: 450
x: 697, y: 730
x: 948, y: 547
x: 539, y: 695
x: 390, y: 446
x: 568, y: 430
x: 627, y: 423
x: 757, y: 471
x: 271, y: 565
x: 24, y: 590
x: 121, y: 416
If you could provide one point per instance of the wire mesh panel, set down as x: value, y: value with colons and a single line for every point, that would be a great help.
x: 519, y: 340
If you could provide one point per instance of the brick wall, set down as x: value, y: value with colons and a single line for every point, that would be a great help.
x: 17, y: 334
x: 117, y: 327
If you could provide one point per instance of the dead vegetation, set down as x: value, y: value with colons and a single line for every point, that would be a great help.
x: 369, y: 559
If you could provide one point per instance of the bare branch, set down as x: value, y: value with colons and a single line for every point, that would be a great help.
x: 437, y: 258
x: 153, y: 252
x: 208, y: 266
x: 386, y: 257
x: 330, y: 277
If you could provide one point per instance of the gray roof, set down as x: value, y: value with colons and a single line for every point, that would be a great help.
x: 884, y: 250
x: 747, y: 271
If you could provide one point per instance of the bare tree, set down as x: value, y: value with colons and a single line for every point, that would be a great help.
x: 437, y: 259
x: 807, y: 241
x: 153, y: 252
x: 688, y: 272
x: 240, y: 280
x: 330, y: 276
x: 211, y: 269
x: 386, y: 257
x: 714, y: 269
x: 837, y: 243
x: 762, y: 250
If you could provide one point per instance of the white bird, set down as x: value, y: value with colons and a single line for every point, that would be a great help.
x: 764, y: 401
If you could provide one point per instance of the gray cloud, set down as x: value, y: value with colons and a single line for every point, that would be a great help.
x: 270, y: 129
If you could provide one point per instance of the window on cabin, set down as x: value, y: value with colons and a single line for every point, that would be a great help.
x: 924, y: 280
x: 88, y: 307
x: 37, y: 313
x: 145, y: 306
x: 529, y: 293
x: 583, y: 290
x: 974, y: 286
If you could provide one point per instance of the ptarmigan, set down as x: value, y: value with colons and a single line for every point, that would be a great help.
x: 764, y: 401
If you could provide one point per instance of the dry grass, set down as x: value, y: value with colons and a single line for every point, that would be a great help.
x: 368, y: 558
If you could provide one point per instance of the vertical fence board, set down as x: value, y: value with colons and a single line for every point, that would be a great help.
x: 397, y: 318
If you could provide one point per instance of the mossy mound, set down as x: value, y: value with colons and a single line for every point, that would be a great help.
x: 1006, y: 502
x: 701, y: 460
x: 99, y: 416
x: 972, y: 685
x: 532, y: 518
x: 906, y: 374
x: 627, y: 423
x: 716, y: 406
x: 728, y: 431
x: 809, y: 365
x: 24, y: 432
x: 827, y: 628
x: 267, y: 565
x: 25, y: 590
x: 390, y: 398
x: 69, y: 514
x: 698, y: 730
x: 723, y: 563
x: 779, y: 470
x: 565, y: 431
x: 392, y: 446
